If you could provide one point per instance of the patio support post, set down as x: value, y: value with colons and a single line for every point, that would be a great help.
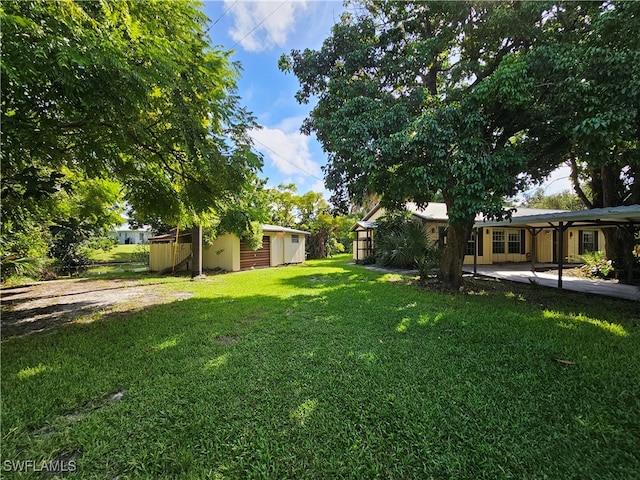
x: 475, y: 251
x: 532, y: 232
x: 196, y: 249
x: 560, y: 253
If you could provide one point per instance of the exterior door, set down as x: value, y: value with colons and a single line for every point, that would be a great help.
x: 258, y: 258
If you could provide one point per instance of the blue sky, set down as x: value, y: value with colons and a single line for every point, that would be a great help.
x: 259, y: 33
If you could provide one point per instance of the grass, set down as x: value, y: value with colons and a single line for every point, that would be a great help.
x: 329, y: 370
x: 119, y: 254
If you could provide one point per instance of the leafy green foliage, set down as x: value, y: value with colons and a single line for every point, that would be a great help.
x: 403, y: 243
x: 565, y: 200
x: 310, y: 212
x: 596, y: 265
x: 254, y: 241
x: 588, y: 80
x: 419, y: 99
x: 590, y: 73
x: 126, y: 91
x: 15, y: 266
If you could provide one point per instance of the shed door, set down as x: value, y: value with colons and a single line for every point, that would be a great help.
x: 259, y: 258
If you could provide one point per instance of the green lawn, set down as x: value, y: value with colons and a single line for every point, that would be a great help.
x: 119, y: 254
x: 331, y: 371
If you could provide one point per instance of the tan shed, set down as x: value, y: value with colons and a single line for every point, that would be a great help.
x: 280, y: 246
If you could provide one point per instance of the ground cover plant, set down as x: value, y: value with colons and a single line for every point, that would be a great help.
x: 329, y: 370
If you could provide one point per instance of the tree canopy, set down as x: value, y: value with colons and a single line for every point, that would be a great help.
x: 310, y: 212
x: 129, y: 91
x: 416, y: 99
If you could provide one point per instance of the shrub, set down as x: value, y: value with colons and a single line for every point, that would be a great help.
x: 368, y: 260
x: 596, y: 265
x: 403, y: 243
x: 141, y: 254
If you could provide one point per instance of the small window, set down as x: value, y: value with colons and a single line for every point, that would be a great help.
x: 588, y: 241
x: 471, y: 244
x: 442, y: 237
x: 514, y: 242
x: 498, y: 241
x: 295, y: 239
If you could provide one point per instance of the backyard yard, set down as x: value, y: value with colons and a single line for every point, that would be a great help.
x: 322, y: 370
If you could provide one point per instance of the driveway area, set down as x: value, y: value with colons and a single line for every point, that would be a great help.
x: 46, y: 305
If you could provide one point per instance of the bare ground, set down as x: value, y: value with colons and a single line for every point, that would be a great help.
x: 47, y: 305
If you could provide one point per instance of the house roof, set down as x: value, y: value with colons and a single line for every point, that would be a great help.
x: 125, y: 227
x: 629, y: 214
x: 437, y: 212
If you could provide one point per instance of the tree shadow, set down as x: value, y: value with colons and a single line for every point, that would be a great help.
x: 295, y: 378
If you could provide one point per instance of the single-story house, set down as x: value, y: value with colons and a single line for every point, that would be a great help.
x: 497, y: 242
x: 127, y: 235
x: 280, y: 246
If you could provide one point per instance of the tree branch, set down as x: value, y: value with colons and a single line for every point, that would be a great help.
x: 576, y: 183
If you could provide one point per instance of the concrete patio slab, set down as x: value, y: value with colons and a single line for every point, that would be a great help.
x: 522, y: 274
x: 519, y: 272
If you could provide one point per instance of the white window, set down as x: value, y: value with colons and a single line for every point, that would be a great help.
x: 514, y: 241
x: 295, y: 239
x: 498, y: 241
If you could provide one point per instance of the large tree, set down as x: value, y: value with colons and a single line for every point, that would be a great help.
x: 591, y: 66
x: 124, y: 90
x: 416, y: 99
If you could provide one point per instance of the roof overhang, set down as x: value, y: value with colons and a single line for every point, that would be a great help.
x: 277, y: 228
x: 595, y: 217
x: 364, y: 225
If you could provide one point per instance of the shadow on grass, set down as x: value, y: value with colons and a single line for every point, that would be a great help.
x: 343, y: 374
x: 50, y: 305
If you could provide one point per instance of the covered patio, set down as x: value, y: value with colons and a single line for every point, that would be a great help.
x: 626, y: 217
x: 517, y: 272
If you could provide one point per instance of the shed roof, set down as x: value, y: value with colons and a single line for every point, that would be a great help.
x: 265, y: 228
x: 276, y: 228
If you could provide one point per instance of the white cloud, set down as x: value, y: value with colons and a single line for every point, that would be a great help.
x: 259, y: 26
x: 558, y: 181
x: 318, y: 186
x: 287, y: 150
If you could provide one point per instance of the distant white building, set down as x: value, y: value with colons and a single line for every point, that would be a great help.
x: 128, y: 236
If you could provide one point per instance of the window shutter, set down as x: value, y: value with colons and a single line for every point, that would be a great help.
x: 580, y: 243
x: 595, y: 241
x: 479, y: 239
x: 523, y: 242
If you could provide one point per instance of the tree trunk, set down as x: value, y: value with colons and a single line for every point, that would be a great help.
x: 196, y: 250
x: 619, y: 243
x: 453, y: 254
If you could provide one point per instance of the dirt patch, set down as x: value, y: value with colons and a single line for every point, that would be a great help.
x: 226, y: 339
x: 46, y: 305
